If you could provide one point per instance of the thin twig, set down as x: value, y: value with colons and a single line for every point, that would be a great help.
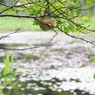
x: 32, y: 47
x: 9, y: 34
x: 91, y: 42
x: 15, y: 6
x: 19, y: 5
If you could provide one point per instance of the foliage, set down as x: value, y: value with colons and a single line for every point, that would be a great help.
x: 8, y: 74
x: 69, y: 16
x: 93, y: 61
x: 1, y: 1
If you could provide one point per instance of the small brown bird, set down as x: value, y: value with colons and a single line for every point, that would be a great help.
x: 46, y: 23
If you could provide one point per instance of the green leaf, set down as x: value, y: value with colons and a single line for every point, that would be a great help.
x: 71, y: 29
x: 63, y: 0
x: 10, y: 80
x: 93, y: 1
x: 35, y: 22
x: 80, y: 2
x: 94, y: 76
x: 89, y: 3
x: 66, y: 30
x: 26, y: 1
x: 6, y: 64
x: 93, y: 61
x: 85, y: 19
x: 75, y: 1
x: 7, y: 75
x: 14, y: 83
x: 12, y: 63
x: 11, y: 12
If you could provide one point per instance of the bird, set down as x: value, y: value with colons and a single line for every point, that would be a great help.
x: 46, y: 23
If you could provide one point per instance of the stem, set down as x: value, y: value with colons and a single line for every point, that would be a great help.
x: 1, y: 91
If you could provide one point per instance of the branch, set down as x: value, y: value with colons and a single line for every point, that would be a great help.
x: 70, y: 21
x: 88, y: 8
x: 62, y: 14
x: 91, y: 42
x: 69, y: 34
x: 32, y: 47
x: 19, y: 5
x: 15, y: 6
x: 18, y: 16
x: 9, y: 34
x: 17, y: 31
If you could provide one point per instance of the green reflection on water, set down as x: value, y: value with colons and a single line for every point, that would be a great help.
x: 23, y: 90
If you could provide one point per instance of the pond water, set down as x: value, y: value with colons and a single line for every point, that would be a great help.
x: 61, y: 68
x: 53, y: 80
x: 37, y: 88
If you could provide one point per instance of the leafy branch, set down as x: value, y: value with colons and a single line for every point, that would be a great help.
x: 69, y: 16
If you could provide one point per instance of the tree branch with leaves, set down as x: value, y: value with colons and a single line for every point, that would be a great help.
x: 70, y: 16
